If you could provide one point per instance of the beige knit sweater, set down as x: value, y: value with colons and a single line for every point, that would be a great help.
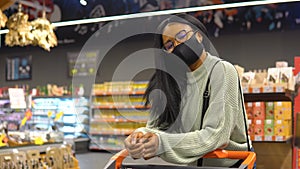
x: 223, y: 124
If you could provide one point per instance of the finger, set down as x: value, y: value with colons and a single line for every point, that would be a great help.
x: 147, y: 157
x: 146, y: 137
x: 151, y: 141
x: 151, y: 146
x: 137, y: 146
x: 138, y: 151
x: 149, y: 154
x: 127, y: 142
x: 135, y: 136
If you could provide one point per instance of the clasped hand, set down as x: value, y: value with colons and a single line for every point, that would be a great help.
x: 141, y: 145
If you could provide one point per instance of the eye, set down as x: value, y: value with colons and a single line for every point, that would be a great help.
x: 168, y: 45
x: 181, y: 35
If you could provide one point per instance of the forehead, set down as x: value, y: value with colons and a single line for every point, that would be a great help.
x: 173, y: 28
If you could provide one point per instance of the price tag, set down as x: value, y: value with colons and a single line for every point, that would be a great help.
x: 245, y: 89
x: 23, y: 122
x: 38, y: 141
x: 268, y: 138
x: 17, y: 98
x: 3, y: 140
x: 256, y: 90
x: 279, y: 89
x: 49, y: 114
x: 258, y: 138
x: 58, y: 116
x: 268, y: 89
x: 279, y: 138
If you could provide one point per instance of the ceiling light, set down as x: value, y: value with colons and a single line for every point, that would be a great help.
x: 83, y: 2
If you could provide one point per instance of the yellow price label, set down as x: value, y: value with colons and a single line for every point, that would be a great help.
x: 58, y: 116
x: 2, y: 140
x: 38, y: 141
x: 23, y: 122
x: 50, y: 114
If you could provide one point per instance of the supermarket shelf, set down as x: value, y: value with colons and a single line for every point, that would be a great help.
x: 38, y: 122
x: 96, y: 148
x: 120, y: 107
x: 116, y: 120
x: 39, y: 114
x: 256, y: 97
x: 62, y: 97
x: 271, y: 138
x: 6, y: 109
x: 44, y: 108
x: 112, y: 132
x: 118, y: 93
x: 69, y: 124
x: 41, y: 148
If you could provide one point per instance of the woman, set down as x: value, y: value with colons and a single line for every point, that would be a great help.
x: 176, y: 130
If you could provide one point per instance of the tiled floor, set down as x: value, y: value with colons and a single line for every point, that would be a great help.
x: 97, y: 160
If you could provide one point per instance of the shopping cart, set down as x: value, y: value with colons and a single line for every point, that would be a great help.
x: 248, y: 157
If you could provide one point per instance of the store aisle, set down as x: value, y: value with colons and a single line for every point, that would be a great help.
x: 93, y: 160
x: 97, y: 160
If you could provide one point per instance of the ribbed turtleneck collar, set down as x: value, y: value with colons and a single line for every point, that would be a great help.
x: 202, y: 70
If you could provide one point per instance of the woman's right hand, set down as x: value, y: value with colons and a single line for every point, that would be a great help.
x: 134, y: 147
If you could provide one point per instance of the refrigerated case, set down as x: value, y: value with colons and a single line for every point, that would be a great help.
x: 66, y: 114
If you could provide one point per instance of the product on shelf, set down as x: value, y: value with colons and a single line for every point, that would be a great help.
x: 269, y: 127
x: 52, y: 157
x: 283, y: 111
x: 69, y: 115
x: 270, y: 110
x: 274, y: 79
x: 117, y: 110
x: 269, y: 121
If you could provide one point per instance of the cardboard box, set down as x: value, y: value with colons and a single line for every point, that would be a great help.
x: 282, y: 110
x: 259, y: 127
x: 283, y: 128
x: 269, y: 127
x: 249, y: 110
x: 259, y: 111
x: 269, y: 110
x: 251, y: 128
x: 287, y: 110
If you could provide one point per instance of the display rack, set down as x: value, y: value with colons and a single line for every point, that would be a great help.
x: 39, y: 156
x: 268, y: 147
x: 13, y: 117
x: 69, y: 115
x: 117, y: 109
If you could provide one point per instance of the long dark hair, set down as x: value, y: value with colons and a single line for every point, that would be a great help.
x: 172, y: 88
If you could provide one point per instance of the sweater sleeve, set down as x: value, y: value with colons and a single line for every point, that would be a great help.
x: 218, y: 123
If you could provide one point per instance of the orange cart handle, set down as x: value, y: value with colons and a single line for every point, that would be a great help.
x: 119, y: 157
x: 249, y: 157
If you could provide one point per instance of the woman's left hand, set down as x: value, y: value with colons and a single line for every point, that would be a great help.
x: 151, y: 143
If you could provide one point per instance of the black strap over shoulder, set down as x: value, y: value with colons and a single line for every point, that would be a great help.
x: 206, y: 103
x: 206, y: 94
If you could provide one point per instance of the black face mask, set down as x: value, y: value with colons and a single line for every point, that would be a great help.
x: 189, y: 51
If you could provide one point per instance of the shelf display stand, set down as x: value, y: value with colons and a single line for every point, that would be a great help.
x: 271, y: 116
x: 117, y: 109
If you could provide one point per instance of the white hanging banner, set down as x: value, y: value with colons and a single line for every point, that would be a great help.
x: 17, y: 98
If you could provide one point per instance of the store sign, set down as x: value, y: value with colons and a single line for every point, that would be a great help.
x: 82, y: 64
x: 18, y: 68
x: 17, y: 98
